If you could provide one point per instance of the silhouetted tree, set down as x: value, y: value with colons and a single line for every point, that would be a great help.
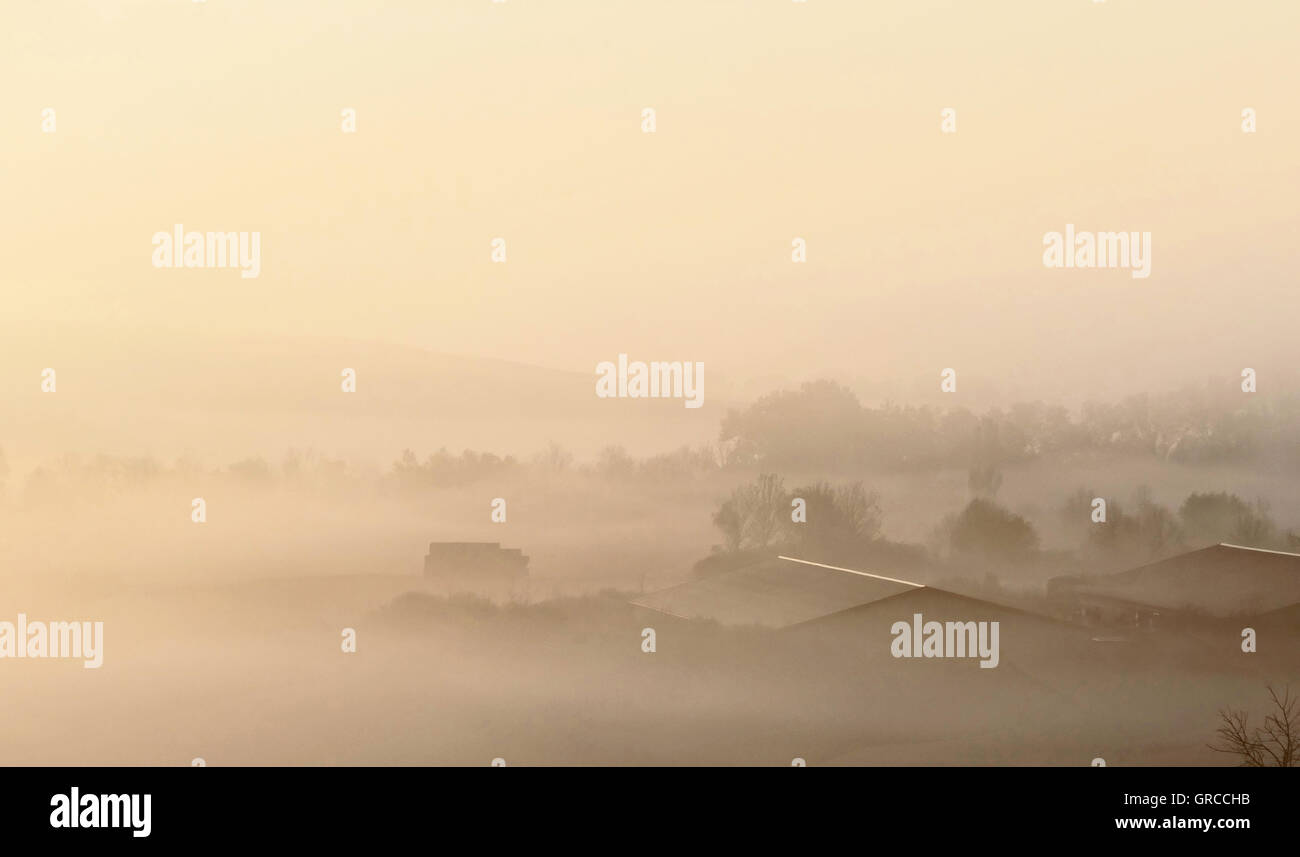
x: 1220, y: 516
x: 751, y: 516
x: 1147, y: 533
x: 843, y: 517
x: 987, y: 529
x: 1276, y: 744
x: 616, y: 463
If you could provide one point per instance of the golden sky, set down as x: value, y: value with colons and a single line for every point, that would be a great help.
x: 775, y: 120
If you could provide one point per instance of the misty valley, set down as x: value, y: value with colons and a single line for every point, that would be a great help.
x: 897, y: 585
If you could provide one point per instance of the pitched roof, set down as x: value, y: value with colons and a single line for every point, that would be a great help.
x: 775, y: 593
x: 1219, y: 580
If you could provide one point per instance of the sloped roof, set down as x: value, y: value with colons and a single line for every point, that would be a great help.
x: 935, y: 604
x: 1220, y: 580
x: 775, y: 593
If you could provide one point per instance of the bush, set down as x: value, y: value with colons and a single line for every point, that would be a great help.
x: 988, y: 530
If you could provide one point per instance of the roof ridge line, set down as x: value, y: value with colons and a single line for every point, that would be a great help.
x: 852, y: 571
x: 1260, y: 550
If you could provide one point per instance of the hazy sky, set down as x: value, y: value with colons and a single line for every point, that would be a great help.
x: 775, y: 120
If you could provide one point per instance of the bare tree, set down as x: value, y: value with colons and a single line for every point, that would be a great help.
x: 752, y: 515
x: 1274, y: 745
x: 767, y: 505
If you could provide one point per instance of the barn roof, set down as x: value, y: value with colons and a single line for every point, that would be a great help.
x: 776, y: 593
x: 1219, y: 580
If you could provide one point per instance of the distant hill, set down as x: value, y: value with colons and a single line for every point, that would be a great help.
x: 220, y: 397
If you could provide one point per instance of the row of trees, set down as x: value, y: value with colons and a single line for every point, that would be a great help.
x: 613, y: 462
x: 1144, y: 529
x: 107, y: 475
x: 764, y: 513
x: 102, y: 477
x: 822, y: 425
x: 1138, y: 531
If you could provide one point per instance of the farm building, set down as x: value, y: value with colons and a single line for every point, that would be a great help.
x: 774, y: 593
x: 1217, y: 582
x: 851, y: 610
x: 475, y: 561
